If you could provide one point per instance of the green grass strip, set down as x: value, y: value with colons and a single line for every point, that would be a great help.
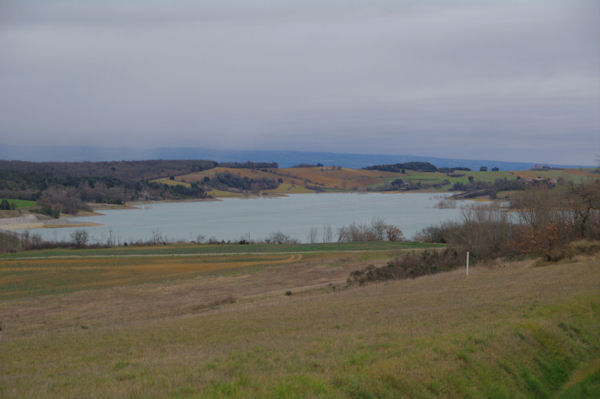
x: 199, y: 249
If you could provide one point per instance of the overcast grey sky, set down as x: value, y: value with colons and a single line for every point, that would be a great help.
x: 507, y: 80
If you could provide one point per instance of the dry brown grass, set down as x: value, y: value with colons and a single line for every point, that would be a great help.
x: 238, y: 335
x: 338, y: 178
x: 169, y: 182
x: 26, y: 277
x: 187, y: 284
x: 565, y: 173
x: 295, y: 179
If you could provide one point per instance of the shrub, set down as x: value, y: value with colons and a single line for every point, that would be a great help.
x: 55, y: 213
x: 410, y: 265
x: 280, y: 238
x: 583, y: 247
x: 6, y: 205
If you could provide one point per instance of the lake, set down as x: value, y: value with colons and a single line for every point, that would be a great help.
x: 256, y: 218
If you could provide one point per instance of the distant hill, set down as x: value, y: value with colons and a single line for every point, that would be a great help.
x: 283, y: 158
x: 69, y: 187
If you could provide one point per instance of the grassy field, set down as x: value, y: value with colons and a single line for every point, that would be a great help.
x: 574, y: 175
x: 331, y: 179
x: 208, y: 326
x: 170, y: 182
x: 24, y: 278
x: 66, y: 270
x: 19, y: 203
x: 202, y: 249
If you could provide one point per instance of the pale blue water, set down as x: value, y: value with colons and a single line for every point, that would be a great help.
x: 233, y: 219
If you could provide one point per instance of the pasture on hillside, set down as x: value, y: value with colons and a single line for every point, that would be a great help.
x: 19, y: 203
x: 284, y: 325
x: 336, y: 179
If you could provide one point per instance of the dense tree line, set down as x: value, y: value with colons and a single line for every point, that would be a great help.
x: 399, y: 167
x: 452, y: 170
x: 417, y: 167
x: 243, y: 183
x: 124, y: 170
x: 179, y: 191
x: 409, y: 185
x: 67, y: 187
x: 308, y: 165
x: 250, y: 165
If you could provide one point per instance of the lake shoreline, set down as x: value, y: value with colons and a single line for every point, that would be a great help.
x: 230, y: 219
x: 97, y: 210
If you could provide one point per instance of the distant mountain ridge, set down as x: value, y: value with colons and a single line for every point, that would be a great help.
x: 283, y: 158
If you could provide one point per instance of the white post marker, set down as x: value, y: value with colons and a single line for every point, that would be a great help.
x: 467, y: 263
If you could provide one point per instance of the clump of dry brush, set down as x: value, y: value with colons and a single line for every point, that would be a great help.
x: 552, y: 224
x: 409, y: 265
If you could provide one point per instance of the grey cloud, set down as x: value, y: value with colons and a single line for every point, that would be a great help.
x: 452, y: 78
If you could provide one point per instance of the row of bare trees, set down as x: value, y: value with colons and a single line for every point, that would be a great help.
x: 376, y: 231
x: 11, y: 241
x: 540, y: 221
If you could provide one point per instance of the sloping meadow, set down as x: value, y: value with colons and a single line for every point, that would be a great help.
x: 504, y: 331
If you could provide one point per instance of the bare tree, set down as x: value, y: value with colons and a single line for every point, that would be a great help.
x: 110, y: 239
x: 80, y: 238
x: 158, y: 238
x: 378, y: 228
x: 279, y: 237
x: 393, y: 233
x: 376, y: 231
x: 313, y: 234
x: 327, y: 233
x: 584, y: 201
x: 486, y: 231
